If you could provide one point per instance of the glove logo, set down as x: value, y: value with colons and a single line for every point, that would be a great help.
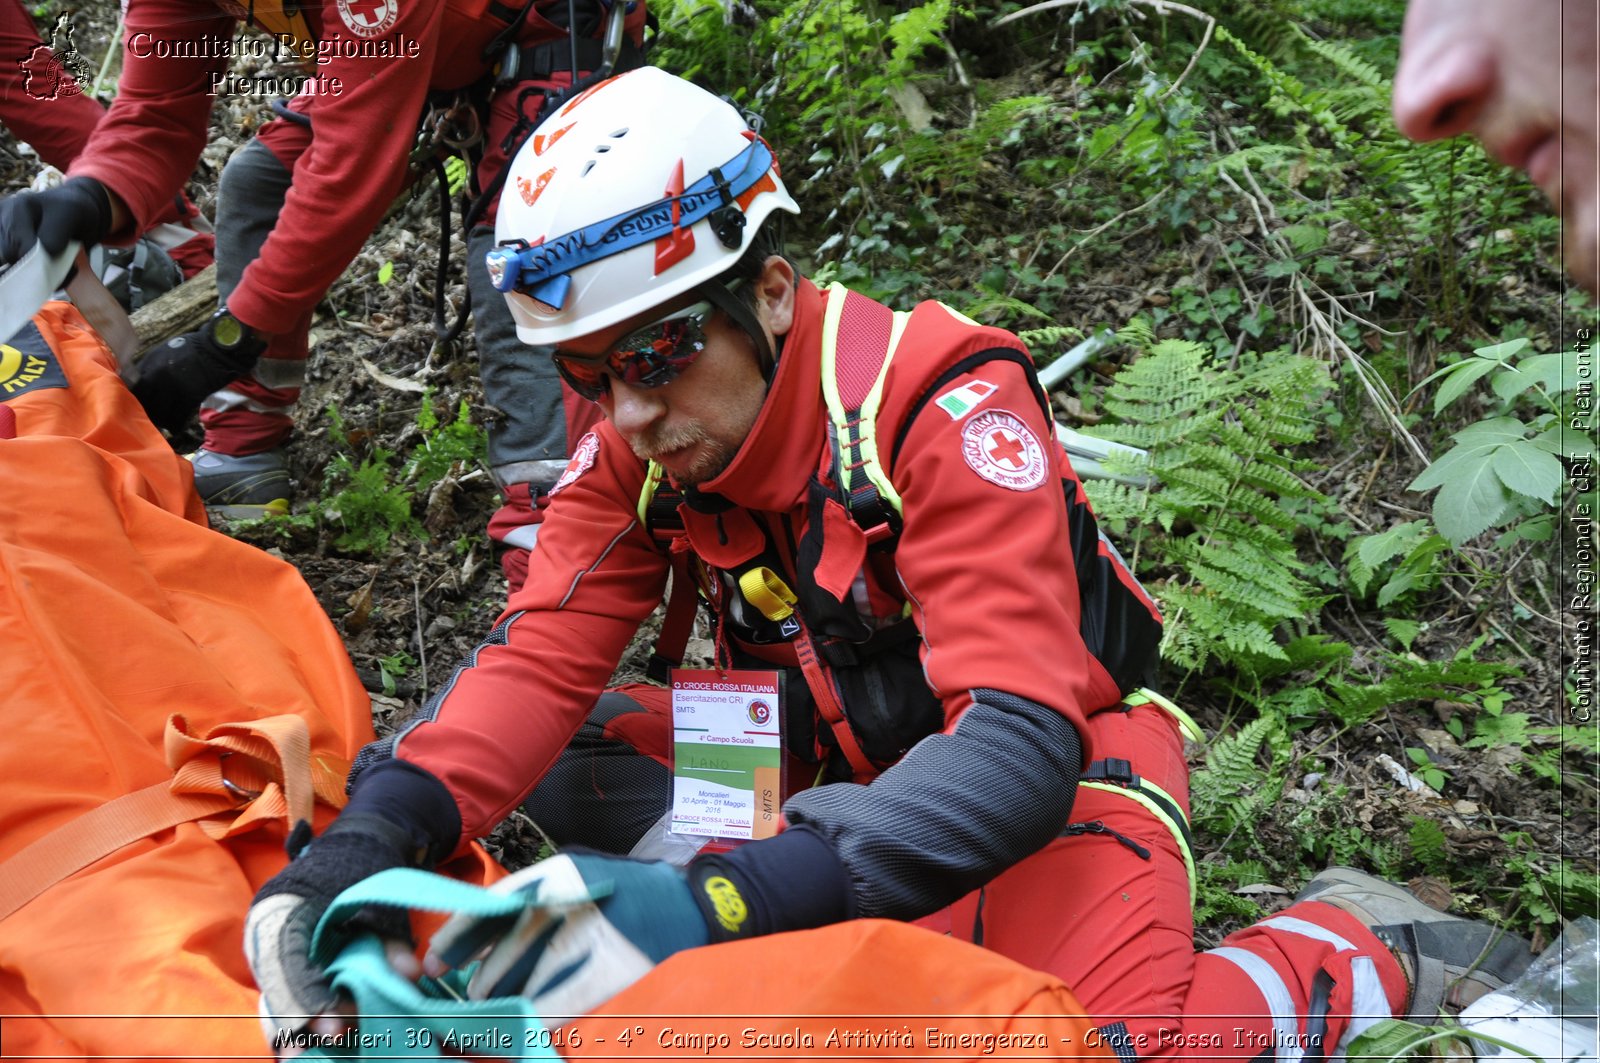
x: 726, y: 902
x: 28, y: 365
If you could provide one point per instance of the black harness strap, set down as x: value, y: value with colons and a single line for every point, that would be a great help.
x: 1120, y: 772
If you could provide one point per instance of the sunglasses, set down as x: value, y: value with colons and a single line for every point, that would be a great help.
x: 648, y: 357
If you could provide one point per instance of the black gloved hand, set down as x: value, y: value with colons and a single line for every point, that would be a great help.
x: 171, y: 381
x: 77, y: 209
x: 277, y: 932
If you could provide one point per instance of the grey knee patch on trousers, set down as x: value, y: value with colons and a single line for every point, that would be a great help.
x: 601, y: 793
x: 250, y: 195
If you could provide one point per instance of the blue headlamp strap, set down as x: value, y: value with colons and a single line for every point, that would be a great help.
x: 544, y: 272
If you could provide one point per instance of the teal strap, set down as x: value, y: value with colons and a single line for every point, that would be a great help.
x: 431, y: 1019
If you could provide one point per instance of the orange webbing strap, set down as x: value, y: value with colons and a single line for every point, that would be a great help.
x: 75, y: 845
x: 263, y: 769
x: 267, y: 761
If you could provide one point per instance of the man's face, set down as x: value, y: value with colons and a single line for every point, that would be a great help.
x: 1520, y: 75
x: 694, y: 425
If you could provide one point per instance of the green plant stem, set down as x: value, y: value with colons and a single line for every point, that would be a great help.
x: 111, y: 50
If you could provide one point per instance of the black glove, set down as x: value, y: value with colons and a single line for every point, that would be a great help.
x: 77, y: 209
x: 277, y: 932
x: 171, y: 381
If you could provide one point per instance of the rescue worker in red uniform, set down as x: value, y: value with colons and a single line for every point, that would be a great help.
x: 296, y: 203
x: 961, y: 702
x: 43, y: 102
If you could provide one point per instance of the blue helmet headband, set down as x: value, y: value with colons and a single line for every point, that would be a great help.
x: 544, y: 272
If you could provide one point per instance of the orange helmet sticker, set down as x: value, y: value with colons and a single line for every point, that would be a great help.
x: 544, y: 141
x: 766, y: 184
x: 530, y: 191
x: 674, y: 248
x: 572, y: 104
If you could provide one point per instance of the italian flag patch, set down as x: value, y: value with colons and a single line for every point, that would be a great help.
x: 958, y: 402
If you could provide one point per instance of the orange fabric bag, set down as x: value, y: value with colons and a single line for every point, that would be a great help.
x: 867, y: 989
x: 148, y: 656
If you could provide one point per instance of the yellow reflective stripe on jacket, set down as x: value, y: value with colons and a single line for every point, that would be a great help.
x: 872, y: 464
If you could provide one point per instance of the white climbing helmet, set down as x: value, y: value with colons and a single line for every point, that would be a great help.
x: 632, y: 193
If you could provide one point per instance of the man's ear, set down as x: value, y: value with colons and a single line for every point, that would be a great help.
x: 775, y: 294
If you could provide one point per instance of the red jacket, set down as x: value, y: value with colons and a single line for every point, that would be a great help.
x: 365, y: 104
x: 988, y: 569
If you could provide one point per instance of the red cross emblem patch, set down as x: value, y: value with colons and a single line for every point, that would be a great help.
x: 582, y: 459
x: 369, y: 18
x: 1002, y: 449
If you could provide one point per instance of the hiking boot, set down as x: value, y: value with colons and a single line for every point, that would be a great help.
x: 243, y: 487
x: 1448, y: 961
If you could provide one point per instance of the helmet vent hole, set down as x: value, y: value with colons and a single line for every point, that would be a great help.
x: 601, y: 149
x: 586, y: 168
x: 619, y: 134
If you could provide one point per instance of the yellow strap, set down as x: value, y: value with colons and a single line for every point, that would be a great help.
x: 1165, y: 820
x: 262, y: 769
x: 647, y: 492
x: 763, y: 589
x: 1186, y: 725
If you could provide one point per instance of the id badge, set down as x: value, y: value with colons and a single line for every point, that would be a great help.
x: 727, y: 753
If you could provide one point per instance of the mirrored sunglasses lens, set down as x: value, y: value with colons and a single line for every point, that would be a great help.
x: 655, y: 356
x: 586, y: 379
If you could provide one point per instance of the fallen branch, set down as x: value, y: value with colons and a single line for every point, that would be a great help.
x: 183, y: 309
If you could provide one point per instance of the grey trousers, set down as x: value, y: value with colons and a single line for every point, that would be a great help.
x: 527, y: 435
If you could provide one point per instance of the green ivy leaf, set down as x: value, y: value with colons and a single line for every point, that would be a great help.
x: 1475, y: 445
x: 1527, y: 470
x: 1471, y: 497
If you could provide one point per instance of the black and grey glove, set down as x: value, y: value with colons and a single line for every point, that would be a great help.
x: 171, y: 381
x: 277, y: 932
x: 398, y: 816
x: 77, y: 209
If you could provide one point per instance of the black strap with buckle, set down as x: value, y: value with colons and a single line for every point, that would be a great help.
x: 537, y: 62
x: 1120, y: 772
